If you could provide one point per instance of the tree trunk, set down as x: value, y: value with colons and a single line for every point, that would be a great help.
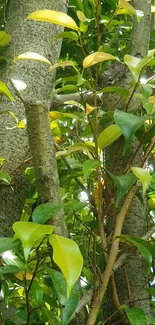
x: 131, y: 279
x: 27, y: 36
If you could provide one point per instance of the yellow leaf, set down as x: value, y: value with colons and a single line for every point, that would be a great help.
x: 31, y: 56
x: 57, y: 139
x: 54, y: 124
x: 151, y: 99
x: 153, y: 9
x: 125, y: 5
x: 97, y: 57
x: 21, y: 124
x: 20, y: 276
x: 54, y: 17
x: 89, y: 109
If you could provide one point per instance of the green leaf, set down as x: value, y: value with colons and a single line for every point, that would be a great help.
x: 129, y: 124
x: 52, y: 317
x: 10, y: 258
x: 4, y: 38
x: 45, y: 211
x: 141, y: 247
x: 108, y: 136
x: 7, y: 244
x: 4, y: 176
x: 54, y: 17
x: 89, y: 166
x: 136, y: 316
x: 4, y: 89
x: 9, y: 269
x: 70, y: 35
x: 69, y: 305
x: 37, y: 292
x: 143, y: 176
x: 122, y: 91
x: 29, y: 233
x: 136, y: 65
x: 123, y: 183
x: 68, y: 257
x: 5, y: 292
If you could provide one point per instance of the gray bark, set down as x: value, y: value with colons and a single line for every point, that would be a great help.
x: 135, y: 222
x: 27, y: 36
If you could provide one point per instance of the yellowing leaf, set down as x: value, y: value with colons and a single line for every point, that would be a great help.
x: 143, y: 176
x: 97, y: 57
x: 151, y: 99
x: 68, y: 257
x: 81, y: 16
x: 31, y: 56
x: 54, y: 17
x: 89, y: 109
x: 109, y: 135
x: 125, y: 5
x: 20, y: 276
x: 151, y: 203
x: 54, y: 124
x: 5, y: 90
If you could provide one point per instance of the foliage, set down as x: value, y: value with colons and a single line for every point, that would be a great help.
x: 82, y: 133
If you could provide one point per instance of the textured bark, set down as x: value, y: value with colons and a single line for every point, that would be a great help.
x: 27, y: 36
x: 134, y: 271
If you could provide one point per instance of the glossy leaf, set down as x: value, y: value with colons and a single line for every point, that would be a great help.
x: 89, y: 166
x: 4, y: 38
x: 10, y: 258
x: 45, y: 211
x: 32, y: 56
x: 29, y: 233
x: 109, y: 135
x: 62, y: 65
x: 143, y: 176
x: 136, y: 316
x: 68, y: 257
x: 97, y: 57
x: 129, y: 124
x: 5, y: 292
x: 54, y: 17
x: 4, y: 176
x: 4, y: 89
x: 123, y: 183
x: 136, y: 65
x: 125, y: 5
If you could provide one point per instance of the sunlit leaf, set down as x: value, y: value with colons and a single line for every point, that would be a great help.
x: 62, y: 65
x: 4, y: 38
x: 54, y: 17
x: 136, y: 316
x: 129, y: 124
x: 151, y: 203
x: 82, y: 17
x: 69, y: 35
x: 4, y: 176
x: 21, y: 124
x: 143, y: 176
x: 5, y: 90
x: 10, y: 258
x: 97, y: 57
x: 29, y: 233
x: 125, y: 5
x: 89, y: 166
x: 136, y: 65
x: 108, y: 136
x: 89, y: 109
x: 152, y: 9
x: 69, y: 259
x: 45, y: 211
x: 32, y: 56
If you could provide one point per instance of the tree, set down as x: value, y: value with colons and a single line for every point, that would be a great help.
x: 111, y: 186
